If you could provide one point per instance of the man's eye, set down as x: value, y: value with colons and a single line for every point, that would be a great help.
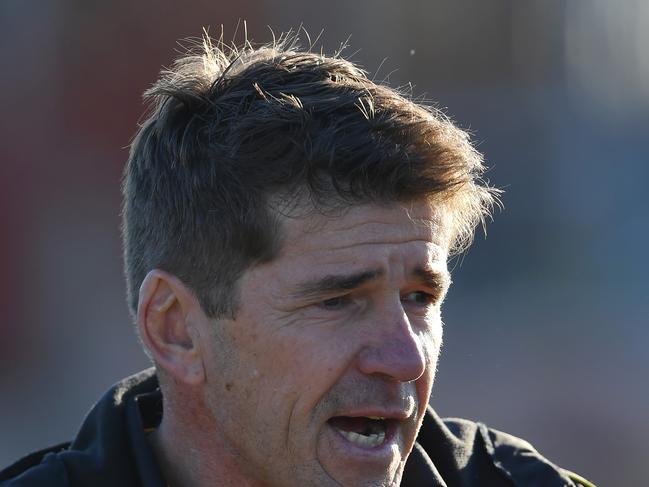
x: 420, y: 298
x: 335, y: 303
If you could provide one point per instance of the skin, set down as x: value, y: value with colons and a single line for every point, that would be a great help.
x: 344, y: 322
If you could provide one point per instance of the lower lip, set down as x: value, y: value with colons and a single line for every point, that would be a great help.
x: 382, y: 451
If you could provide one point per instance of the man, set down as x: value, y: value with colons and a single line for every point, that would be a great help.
x: 287, y: 224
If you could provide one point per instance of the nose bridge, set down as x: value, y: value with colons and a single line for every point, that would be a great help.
x: 393, y: 348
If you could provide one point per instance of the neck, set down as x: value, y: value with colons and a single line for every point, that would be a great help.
x: 189, y: 449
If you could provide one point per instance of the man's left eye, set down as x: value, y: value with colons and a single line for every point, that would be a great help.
x: 419, y: 297
x: 336, y: 303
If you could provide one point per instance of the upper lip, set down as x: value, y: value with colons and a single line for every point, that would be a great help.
x: 400, y: 414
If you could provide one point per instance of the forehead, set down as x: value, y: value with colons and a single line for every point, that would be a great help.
x: 367, y: 228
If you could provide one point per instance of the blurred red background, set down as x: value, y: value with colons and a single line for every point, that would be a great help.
x: 546, y: 326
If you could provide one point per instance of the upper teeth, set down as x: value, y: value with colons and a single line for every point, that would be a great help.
x: 372, y: 440
x: 376, y: 417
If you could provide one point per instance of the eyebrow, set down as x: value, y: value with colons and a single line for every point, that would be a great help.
x: 433, y: 279
x: 332, y: 283
x: 346, y: 282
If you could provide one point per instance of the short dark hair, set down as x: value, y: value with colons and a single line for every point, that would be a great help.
x: 230, y: 130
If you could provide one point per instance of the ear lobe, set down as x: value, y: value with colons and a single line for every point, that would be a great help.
x: 164, y: 310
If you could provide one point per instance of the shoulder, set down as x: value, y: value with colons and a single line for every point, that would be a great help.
x: 471, y: 450
x: 515, y: 457
x: 37, y: 469
x: 109, y: 449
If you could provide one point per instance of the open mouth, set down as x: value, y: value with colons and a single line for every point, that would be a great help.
x: 363, y: 431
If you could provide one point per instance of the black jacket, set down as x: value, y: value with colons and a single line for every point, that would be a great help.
x: 111, y: 450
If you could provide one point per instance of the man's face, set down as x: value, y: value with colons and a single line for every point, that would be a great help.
x: 324, y: 375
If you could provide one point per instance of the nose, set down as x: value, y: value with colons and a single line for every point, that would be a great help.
x: 394, y: 350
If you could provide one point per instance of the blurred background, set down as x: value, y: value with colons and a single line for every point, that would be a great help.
x: 547, y: 332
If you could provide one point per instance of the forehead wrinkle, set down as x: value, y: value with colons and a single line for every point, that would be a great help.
x: 350, y: 219
x: 406, y: 225
x: 344, y: 246
x: 430, y: 270
x: 371, y: 223
x: 371, y: 232
x: 432, y: 254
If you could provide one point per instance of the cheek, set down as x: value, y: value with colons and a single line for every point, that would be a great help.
x: 309, y: 366
x: 431, y: 345
x: 284, y: 364
x: 230, y: 363
x: 434, y: 328
x: 314, y: 357
x: 431, y: 340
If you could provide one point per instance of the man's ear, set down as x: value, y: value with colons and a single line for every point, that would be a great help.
x: 164, y: 318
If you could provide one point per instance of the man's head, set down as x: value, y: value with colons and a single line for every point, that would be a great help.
x: 287, y: 222
x: 234, y: 139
